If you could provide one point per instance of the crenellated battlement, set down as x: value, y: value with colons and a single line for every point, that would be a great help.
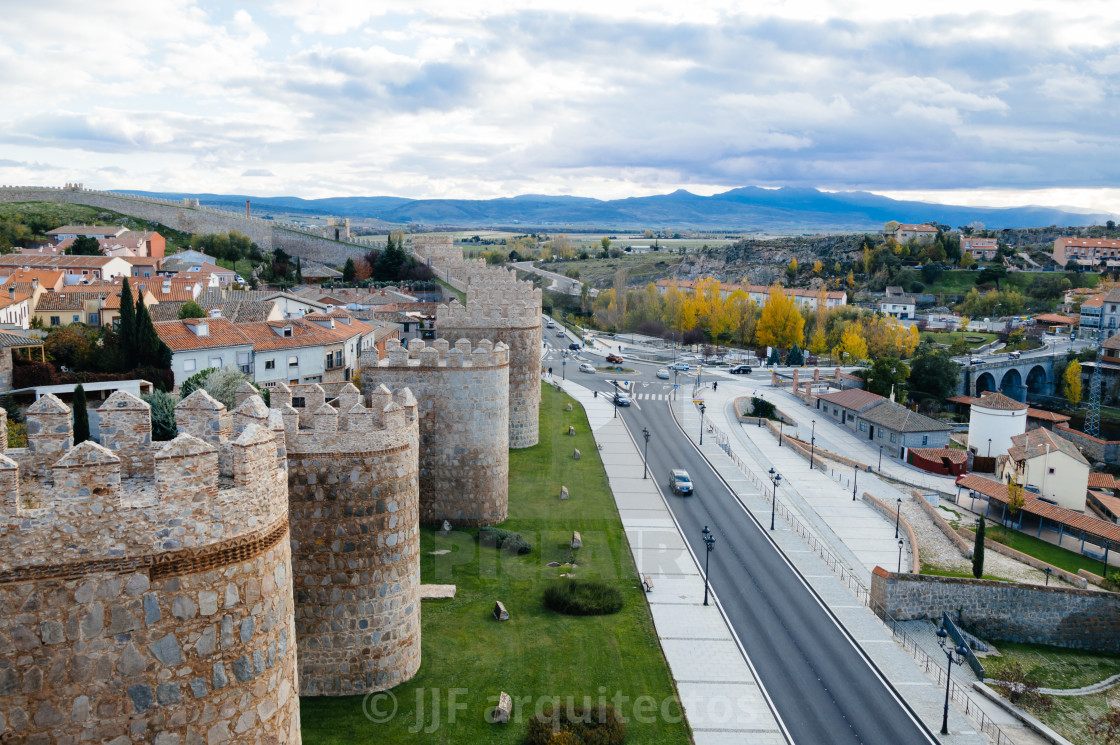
x: 437, y: 249
x: 317, y: 422
x: 418, y: 354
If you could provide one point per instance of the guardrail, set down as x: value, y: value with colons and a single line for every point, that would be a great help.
x: 928, y: 664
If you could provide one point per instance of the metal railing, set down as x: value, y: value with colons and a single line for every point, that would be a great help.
x: 929, y: 665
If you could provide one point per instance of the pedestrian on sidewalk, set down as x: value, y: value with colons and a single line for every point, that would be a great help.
x: 550, y: 372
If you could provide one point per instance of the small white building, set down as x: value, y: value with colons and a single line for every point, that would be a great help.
x: 1048, y: 465
x: 992, y: 421
x: 200, y: 343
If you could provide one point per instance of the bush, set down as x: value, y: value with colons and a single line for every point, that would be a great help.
x: 763, y: 408
x: 579, y: 597
x: 505, y: 540
x: 595, y: 724
x: 17, y: 434
x: 163, y: 415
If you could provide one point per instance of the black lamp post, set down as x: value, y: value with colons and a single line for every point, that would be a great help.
x: 777, y: 479
x: 781, y: 426
x: 710, y: 544
x: 880, y: 459
x: 645, y: 455
x: 989, y: 447
x: 952, y: 655
x: 900, y: 543
x: 813, y: 445
x: 897, y: 515
x: 702, y: 409
x: 1048, y: 571
x: 855, y: 478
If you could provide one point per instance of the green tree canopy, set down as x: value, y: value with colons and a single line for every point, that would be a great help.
x: 84, y: 246
x: 191, y: 309
x: 933, y: 372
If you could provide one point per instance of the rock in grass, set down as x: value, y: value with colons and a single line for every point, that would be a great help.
x: 500, y: 612
x: 563, y: 493
x: 576, y: 455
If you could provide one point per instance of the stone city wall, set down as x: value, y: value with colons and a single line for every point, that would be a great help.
x: 353, y: 489
x: 439, y: 250
x: 147, y: 610
x: 502, y: 309
x: 463, y: 407
x: 1004, y: 611
x: 5, y: 369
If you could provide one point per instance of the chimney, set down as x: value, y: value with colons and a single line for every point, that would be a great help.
x: 201, y: 328
x: 11, y: 293
x: 248, y: 212
x: 215, y: 312
x: 167, y: 285
x: 34, y: 283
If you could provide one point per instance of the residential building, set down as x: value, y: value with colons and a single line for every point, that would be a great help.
x: 1092, y: 308
x: 95, y: 305
x: 200, y: 343
x: 210, y: 275
x: 76, y: 269
x: 143, y: 266
x: 296, y: 351
x: 982, y: 249
x: 890, y: 425
x: 15, y: 308
x: 85, y: 231
x: 899, y: 304
x: 1093, y: 253
x: 134, y: 243
x: 806, y: 299
x: 51, y: 280
x: 923, y: 233
x: 318, y: 273
x: 1049, y: 466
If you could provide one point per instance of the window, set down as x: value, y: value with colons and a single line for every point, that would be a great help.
x: 925, y: 439
x: 243, y: 358
x: 863, y: 426
x: 77, y: 318
x: 214, y: 362
x: 880, y: 433
x: 55, y: 321
x: 298, y: 402
x: 293, y: 361
x: 94, y: 319
x: 188, y: 365
x: 1051, y: 471
x: 894, y: 438
x: 270, y: 364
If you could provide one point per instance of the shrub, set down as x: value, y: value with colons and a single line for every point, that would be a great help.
x: 763, y: 408
x: 505, y: 540
x: 17, y: 434
x: 163, y: 415
x: 580, y: 597
x: 591, y: 724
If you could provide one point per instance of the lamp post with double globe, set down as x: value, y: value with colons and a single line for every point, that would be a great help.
x: 710, y: 545
x: 776, y: 478
x: 645, y: 455
x: 952, y: 655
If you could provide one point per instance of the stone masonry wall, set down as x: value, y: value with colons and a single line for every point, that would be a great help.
x: 463, y: 399
x: 502, y: 309
x: 438, y: 250
x: 5, y: 369
x: 354, y: 499
x: 154, y: 610
x: 1079, y: 619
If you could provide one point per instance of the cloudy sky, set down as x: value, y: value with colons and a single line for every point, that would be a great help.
x: 462, y: 98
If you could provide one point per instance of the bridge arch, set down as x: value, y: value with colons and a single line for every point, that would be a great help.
x: 985, y: 382
x: 1038, y: 382
x: 1011, y: 385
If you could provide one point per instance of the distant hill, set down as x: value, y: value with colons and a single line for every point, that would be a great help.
x: 749, y: 208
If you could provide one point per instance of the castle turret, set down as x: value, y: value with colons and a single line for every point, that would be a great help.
x: 462, y: 396
x: 151, y: 608
x: 437, y: 250
x: 354, y: 498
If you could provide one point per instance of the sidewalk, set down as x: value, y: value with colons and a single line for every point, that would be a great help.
x: 720, y: 696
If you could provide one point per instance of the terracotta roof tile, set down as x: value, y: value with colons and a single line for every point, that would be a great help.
x: 999, y: 402
x: 935, y: 454
x: 1037, y: 442
x: 855, y: 399
x: 178, y: 335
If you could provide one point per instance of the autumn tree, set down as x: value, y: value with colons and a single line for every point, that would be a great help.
x: 1016, y: 497
x: 1073, y: 382
x: 851, y: 344
x: 791, y: 270
x: 781, y: 324
x: 818, y: 267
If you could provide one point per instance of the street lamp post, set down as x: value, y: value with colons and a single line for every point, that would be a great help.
x: 952, y: 655
x: 645, y: 455
x: 900, y: 542
x: 855, y: 478
x: 710, y: 544
x: 1048, y: 571
x: 813, y: 445
x: 989, y: 447
x: 781, y: 426
x: 777, y: 479
x: 880, y: 459
x: 897, y: 515
x: 702, y: 409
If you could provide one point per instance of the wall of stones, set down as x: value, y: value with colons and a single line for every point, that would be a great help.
x: 462, y: 393
x: 5, y: 369
x: 502, y: 309
x: 1094, y: 448
x: 353, y: 490
x: 154, y: 610
x: 1079, y: 619
x: 438, y: 250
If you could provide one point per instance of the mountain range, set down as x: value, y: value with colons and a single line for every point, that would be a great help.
x: 749, y: 208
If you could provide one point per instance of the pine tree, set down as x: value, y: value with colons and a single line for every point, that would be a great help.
x: 81, y: 416
x: 126, y: 329
x: 299, y: 272
x: 978, y: 551
x: 348, y: 271
x: 150, y: 349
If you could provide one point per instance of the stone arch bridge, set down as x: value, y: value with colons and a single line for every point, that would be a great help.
x: 1013, y: 378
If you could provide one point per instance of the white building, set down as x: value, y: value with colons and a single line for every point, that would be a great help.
x: 992, y: 421
x: 200, y: 343
x: 1050, y: 466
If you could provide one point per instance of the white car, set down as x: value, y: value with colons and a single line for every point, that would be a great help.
x: 682, y: 366
x: 586, y: 367
x: 663, y: 373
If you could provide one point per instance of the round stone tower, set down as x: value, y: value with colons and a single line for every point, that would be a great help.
x: 142, y: 600
x: 463, y: 398
x: 502, y: 309
x: 353, y: 490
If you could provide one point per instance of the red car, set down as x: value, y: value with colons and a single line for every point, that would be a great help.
x: 614, y: 359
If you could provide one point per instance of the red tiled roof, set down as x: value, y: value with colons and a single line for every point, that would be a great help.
x: 935, y: 454
x: 1046, y: 416
x: 1102, y: 481
x: 1090, y: 243
x: 997, y: 490
x: 304, y: 334
x: 1055, y: 319
x: 999, y: 402
x: 852, y: 398
x: 1038, y: 442
x: 179, y: 337
x: 968, y: 400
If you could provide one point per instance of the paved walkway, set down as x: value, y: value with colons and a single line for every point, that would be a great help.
x: 720, y: 695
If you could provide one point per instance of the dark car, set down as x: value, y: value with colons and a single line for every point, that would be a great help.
x: 740, y: 370
x: 574, y: 347
x: 614, y: 359
x: 680, y: 482
x: 621, y: 399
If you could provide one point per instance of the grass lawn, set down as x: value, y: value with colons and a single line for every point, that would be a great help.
x: 458, y: 293
x: 948, y: 337
x: 942, y: 571
x: 1040, y: 549
x: 1055, y: 667
x: 537, y: 653
x: 641, y: 268
x: 960, y: 281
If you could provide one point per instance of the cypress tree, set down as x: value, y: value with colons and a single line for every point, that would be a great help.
x: 299, y: 272
x: 978, y: 551
x: 348, y: 271
x: 81, y: 416
x: 149, y: 350
x: 126, y: 330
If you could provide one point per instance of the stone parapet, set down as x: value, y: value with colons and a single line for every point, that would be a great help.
x: 462, y: 396
x: 438, y: 250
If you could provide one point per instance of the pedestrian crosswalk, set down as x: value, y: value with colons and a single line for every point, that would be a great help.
x: 651, y: 397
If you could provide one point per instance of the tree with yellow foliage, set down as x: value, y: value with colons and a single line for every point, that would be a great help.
x: 744, y: 317
x: 818, y: 341
x: 818, y: 267
x: 781, y: 324
x: 791, y: 270
x: 851, y: 279
x: 851, y: 343
x: 1073, y: 382
x: 963, y: 325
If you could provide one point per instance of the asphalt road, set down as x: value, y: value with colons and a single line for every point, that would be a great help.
x: 822, y: 686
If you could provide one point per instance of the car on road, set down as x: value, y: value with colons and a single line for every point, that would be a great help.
x: 614, y: 359
x: 976, y: 361
x: 621, y: 399
x: 560, y: 332
x: 680, y: 482
x: 1015, y: 354
x: 574, y: 346
x: 663, y: 373
x: 740, y: 370
x: 550, y: 325
x: 682, y: 366
x: 586, y: 367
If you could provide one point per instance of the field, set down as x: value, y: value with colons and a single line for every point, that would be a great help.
x: 1040, y: 549
x: 57, y: 214
x: 537, y: 654
x: 958, y: 282
x: 972, y: 338
x: 641, y: 269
